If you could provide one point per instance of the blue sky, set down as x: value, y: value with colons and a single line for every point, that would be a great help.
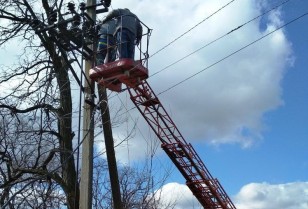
x: 281, y: 156
x: 258, y: 144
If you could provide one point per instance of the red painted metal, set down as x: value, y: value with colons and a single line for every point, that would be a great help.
x: 113, y: 74
x: 206, y: 189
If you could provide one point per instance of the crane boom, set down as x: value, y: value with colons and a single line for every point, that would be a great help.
x: 133, y: 74
x: 207, y: 189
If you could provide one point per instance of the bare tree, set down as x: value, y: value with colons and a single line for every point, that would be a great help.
x: 25, y: 161
x: 40, y: 152
x: 140, y: 189
x: 37, y: 165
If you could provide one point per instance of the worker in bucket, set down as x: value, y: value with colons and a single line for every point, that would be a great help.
x: 106, y: 42
x: 128, y: 31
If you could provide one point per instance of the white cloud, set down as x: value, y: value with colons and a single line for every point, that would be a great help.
x: 177, y: 194
x: 267, y: 196
x: 227, y: 102
x: 251, y: 196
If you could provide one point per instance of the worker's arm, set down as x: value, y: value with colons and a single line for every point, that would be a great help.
x: 112, y: 14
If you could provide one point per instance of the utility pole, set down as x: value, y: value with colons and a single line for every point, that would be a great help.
x: 88, y: 131
x: 88, y: 137
x: 109, y: 143
x: 111, y: 159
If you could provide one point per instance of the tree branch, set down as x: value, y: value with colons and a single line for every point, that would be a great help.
x: 39, y: 106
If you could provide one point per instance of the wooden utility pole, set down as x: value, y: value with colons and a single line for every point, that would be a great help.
x: 112, y: 163
x: 88, y: 137
x: 88, y: 131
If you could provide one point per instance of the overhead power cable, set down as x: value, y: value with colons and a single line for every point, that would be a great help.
x: 127, y: 111
x: 192, y: 28
x: 235, y: 52
x: 228, y: 33
x: 82, y: 74
x: 189, y: 30
x: 224, y: 58
x: 153, y: 147
x: 233, y: 30
x: 217, y: 39
x: 74, y: 150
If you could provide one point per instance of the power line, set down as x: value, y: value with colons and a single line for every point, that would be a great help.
x: 127, y: 111
x: 82, y: 74
x: 233, y: 30
x: 79, y: 144
x: 244, y: 47
x: 189, y: 30
x: 153, y: 147
x: 217, y: 39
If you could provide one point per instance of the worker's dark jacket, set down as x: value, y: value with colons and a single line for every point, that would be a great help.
x: 108, y: 28
x: 126, y: 19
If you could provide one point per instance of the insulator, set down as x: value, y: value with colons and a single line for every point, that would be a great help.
x: 71, y: 7
x: 107, y: 3
x: 82, y: 6
x: 77, y: 20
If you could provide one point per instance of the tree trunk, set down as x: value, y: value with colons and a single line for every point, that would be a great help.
x: 65, y: 130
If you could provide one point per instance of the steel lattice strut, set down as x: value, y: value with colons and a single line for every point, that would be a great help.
x: 207, y: 189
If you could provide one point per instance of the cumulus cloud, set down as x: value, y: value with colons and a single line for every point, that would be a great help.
x: 251, y: 196
x: 176, y: 195
x: 268, y: 196
x: 225, y: 103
